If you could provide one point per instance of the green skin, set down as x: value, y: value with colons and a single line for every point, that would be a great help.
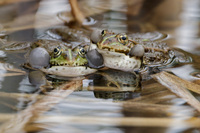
x: 154, y: 54
x: 112, y: 43
x: 68, y: 58
x: 114, y: 49
x: 68, y: 63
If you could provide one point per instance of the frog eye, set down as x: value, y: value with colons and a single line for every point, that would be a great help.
x: 123, y: 39
x: 57, y: 52
x: 82, y: 52
x: 103, y: 33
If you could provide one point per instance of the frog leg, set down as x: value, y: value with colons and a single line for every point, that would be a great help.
x: 110, y: 80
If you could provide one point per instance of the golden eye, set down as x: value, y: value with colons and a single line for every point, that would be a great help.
x: 123, y: 38
x: 57, y: 52
x: 82, y: 52
x: 103, y: 32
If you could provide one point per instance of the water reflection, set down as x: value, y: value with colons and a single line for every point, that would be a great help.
x: 188, y: 32
x: 116, y: 96
x: 95, y: 98
x: 184, y: 72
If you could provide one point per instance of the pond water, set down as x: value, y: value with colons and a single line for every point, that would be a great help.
x: 109, y: 101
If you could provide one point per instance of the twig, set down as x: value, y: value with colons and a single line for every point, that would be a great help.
x: 11, y: 74
x: 122, y: 121
x: 78, y: 15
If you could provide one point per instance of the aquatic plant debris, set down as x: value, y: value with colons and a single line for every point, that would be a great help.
x: 19, y: 121
x: 95, y: 7
x: 180, y: 87
x: 79, y: 17
x: 122, y: 121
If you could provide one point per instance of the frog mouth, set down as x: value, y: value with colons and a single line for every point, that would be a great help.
x: 120, y: 49
x: 71, y: 64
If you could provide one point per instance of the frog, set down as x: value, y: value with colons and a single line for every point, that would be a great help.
x: 115, y: 48
x: 144, y: 52
x: 62, y: 61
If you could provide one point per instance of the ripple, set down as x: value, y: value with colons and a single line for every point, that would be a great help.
x: 196, y: 74
x: 67, y: 17
x: 152, y: 36
x: 68, y: 35
x: 2, y: 54
x: 89, y: 21
x: 2, y: 31
x: 13, y: 46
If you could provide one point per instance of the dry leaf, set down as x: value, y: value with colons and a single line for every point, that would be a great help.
x: 156, y: 97
x: 158, y: 109
x: 75, y: 10
x: 179, y: 87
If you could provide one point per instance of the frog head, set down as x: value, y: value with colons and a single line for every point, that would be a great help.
x: 114, y: 42
x: 68, y: 57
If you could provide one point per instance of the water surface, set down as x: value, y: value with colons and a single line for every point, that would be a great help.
x: 97, y: 100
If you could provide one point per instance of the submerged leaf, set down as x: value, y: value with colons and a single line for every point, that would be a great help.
x: 180, y: 87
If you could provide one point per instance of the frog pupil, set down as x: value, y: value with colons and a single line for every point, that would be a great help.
x: 103, y: 32
x: 55, y: 50
x: 82, y: 51
x: 123, y: 38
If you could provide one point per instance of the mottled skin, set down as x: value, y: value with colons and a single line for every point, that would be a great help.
x: 115, y: 48
x: 64, y: 61
x: 153, y: 52
x: 68, y: 57
x: 69, y: 63
x: 123, y: 43
x: 115, y: 42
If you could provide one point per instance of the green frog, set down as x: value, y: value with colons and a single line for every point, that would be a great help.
x: 62, y: 61
x: 69, y: 62
x: 129, y: 52
x: 115, y: 48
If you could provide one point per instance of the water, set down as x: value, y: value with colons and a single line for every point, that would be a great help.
x: 99, y: 101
